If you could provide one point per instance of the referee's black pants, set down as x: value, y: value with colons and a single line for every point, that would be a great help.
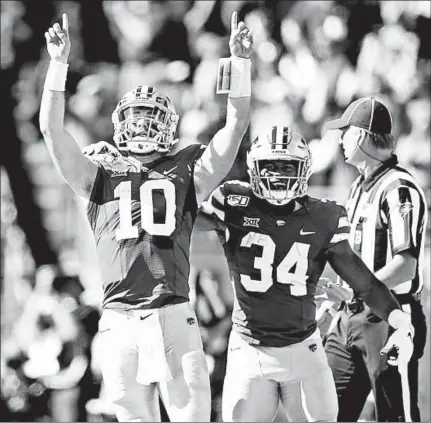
x: 353, y: 349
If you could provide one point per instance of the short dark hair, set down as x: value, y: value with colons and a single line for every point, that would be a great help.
x: 383, y: 141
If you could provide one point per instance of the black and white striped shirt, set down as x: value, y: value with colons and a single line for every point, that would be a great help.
x: 388, y: 214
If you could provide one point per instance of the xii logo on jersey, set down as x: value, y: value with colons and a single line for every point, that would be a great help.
x: 238, y: 200
x: 251, y: 221
x: 119, y: 173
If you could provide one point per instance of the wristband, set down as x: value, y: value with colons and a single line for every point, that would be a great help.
x: 56, y: 76
x: 234, y: 77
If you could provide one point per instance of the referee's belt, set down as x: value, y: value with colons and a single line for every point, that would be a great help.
x: 407, y: 298
x: 355, y: 306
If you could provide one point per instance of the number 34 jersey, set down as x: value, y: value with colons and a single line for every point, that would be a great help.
x: 142, y: 218
x: 276, y: 257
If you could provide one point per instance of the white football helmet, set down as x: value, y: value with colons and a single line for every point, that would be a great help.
x: 144, y: 121
x: 280, y: 143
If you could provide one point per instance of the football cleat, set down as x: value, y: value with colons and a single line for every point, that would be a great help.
x: 145, y: 121
x: 280, y: 144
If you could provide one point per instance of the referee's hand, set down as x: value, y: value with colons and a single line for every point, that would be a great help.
x: 400, y: 344
x: 333, y: 291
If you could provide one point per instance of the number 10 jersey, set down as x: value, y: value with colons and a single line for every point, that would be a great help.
x: 142, y: 217
x: 276, y: 257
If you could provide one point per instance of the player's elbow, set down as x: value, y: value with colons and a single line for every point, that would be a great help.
x: 48, y: 127
x: 44, y: 127
x: 48, y: 130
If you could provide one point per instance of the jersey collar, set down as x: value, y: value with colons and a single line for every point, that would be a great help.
x: 379, y: 172
x: 287, y: 210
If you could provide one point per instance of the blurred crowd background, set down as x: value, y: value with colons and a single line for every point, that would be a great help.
x: 310, y: 60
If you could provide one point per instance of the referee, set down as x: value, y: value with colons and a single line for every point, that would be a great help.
x: 388, y: 214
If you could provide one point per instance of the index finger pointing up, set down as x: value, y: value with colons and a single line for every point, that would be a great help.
x: 234, y: 21
x: 65, y: 23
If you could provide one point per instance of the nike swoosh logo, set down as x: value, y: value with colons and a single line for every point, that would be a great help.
x: 302, y: 232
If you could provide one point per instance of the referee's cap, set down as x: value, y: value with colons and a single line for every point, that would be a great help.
x: 367, y: 113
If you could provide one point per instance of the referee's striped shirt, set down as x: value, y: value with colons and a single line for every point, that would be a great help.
x: 388, y: 214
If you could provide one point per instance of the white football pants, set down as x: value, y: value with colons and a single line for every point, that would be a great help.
x: 147, y: 353
x: 298, y: 375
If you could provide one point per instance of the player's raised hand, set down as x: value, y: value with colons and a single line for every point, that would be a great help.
x: 58, y: 41
x: 241, y: 38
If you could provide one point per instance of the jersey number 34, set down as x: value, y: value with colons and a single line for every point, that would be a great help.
x: 296, y: 258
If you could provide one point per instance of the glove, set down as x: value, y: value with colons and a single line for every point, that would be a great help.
x: 101, y: 148
x: 401, y: 341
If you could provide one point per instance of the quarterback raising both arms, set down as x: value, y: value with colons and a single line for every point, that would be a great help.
x: 277, y: 241
x: 143, y: 196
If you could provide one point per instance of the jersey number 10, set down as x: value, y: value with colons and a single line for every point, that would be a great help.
x: 126, y: 228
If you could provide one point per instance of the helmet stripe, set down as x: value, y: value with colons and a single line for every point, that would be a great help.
x: 287, y: 137
x: 280, y: 136
x: 273, y: 137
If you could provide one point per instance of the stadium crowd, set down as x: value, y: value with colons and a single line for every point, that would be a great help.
x: 311, y: 59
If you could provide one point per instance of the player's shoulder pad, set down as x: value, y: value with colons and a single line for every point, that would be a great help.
x: 329, y: 207
x: 237, y: 193
x: 191, y: 152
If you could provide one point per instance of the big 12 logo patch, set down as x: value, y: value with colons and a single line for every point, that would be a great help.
x: 238, y: 200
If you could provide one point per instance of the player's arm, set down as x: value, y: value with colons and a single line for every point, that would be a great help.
x: 402, y: 211
x: 219, y: 156
x: 76, y: 170
x: 212, y: 215
x: 354, y: 271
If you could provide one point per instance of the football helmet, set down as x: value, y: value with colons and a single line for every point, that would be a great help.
x: 279, y: 144
x: 144, y: 121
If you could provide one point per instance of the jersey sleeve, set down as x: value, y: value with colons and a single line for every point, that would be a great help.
x: 212, y: 213
x: 342, y: 230
x: 196, y: 153
x: 107, y: 159
x: 96, y: 191
x: 402, y: 212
